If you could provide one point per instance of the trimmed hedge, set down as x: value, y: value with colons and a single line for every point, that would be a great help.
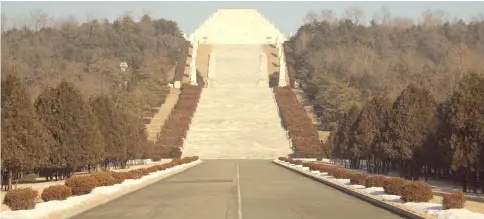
x: 21, y: 199
x: 394, y: 185
x: 358, y: 179
x: 415, y: 191
x: 136, y: 174
x: 341, y: 173
x: 119, y: 176
x: 82, y: 185
x: 56, y: 192
x: 375, y: 181
x: 454, y: 200
x: 104, y: 178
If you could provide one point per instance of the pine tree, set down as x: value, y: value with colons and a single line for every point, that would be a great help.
x: 66, y: 116
x: 467, y: 123
x: 370, y: 125
x: 344, y: 136
x: 411, y: 124
x: 111, y: 125
x: 24, y: 139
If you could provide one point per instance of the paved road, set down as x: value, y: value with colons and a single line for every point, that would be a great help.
x: 210, y: 191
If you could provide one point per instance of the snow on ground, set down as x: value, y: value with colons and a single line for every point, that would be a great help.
x: 458, y: 214
x: 343, y: 181
x: 358, y: 186
x: 427, y: 207
x: 392, y: 198
x: 374, y: 190
x: 43, y: 209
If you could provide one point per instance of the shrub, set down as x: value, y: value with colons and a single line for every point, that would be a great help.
x: 21, y: 199
x: 417, y: 192
x: 340, y: 173
x: 312, y: 166
x: 128, y: 175
x: 326, y: 169
x: 394, y: 185
x: 152, y: 169
x: 454, y: 200
x: 82, y: 185
x: 56, y: 192
x: 176, y: 161
x: 358, y: 179
x: 374, y: 181
x: 119, y: 176
x: 104, y: 178
x: 160, y: 167
x: 144, y: 171
x: 136, y: 174
x: 298, y: 162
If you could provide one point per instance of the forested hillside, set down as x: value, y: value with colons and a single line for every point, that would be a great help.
x: 89, y: 54
x: 398, y: 96
x: 67, y: 105
x: 344, y: 62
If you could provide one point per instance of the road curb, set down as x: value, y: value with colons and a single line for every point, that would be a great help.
x: 96, y: 201
x: 407, y: 213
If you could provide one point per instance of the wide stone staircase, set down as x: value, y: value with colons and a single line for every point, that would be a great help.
x: 159, y: 118
x: 237, y: 117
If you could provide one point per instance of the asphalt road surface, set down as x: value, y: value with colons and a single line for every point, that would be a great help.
x: 211, y: 191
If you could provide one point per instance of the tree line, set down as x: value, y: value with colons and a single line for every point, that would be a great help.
x: 86, y: 111
x: 63, y: 132
x: 345, y: 61
x: 417, y: 135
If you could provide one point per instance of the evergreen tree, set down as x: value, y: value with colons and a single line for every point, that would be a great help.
x: 24, y: 139
x: 467, y: 123
x: 111, y: 125
x: 66, y: 116
x: 344, y: 136
x: 370, y: 125
x: 411, y: 124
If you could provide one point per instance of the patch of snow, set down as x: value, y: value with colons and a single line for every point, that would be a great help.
x: 392, y: 198
x: 430, y: 208
x: 358, y: 186
x: 305, y: 168
x: 438, y: 211
x: 343, y: 181
x: 458, y: 214
x: 374, y: 190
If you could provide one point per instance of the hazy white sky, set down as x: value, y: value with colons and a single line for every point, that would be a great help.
x: 287, y: 16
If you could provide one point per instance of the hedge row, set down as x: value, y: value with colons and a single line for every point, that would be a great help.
x: 410, y: 191
x: 174, y: 131
x: 26, y: 198
x: 302, y: 132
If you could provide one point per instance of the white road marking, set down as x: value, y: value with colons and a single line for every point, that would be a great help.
x: 239, y: 199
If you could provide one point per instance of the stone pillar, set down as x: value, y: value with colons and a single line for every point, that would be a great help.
x: 211, y: 69
x: 282, y: 68
x: 263, y: 75
x: 177, y: 84
x: 193, y: 65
